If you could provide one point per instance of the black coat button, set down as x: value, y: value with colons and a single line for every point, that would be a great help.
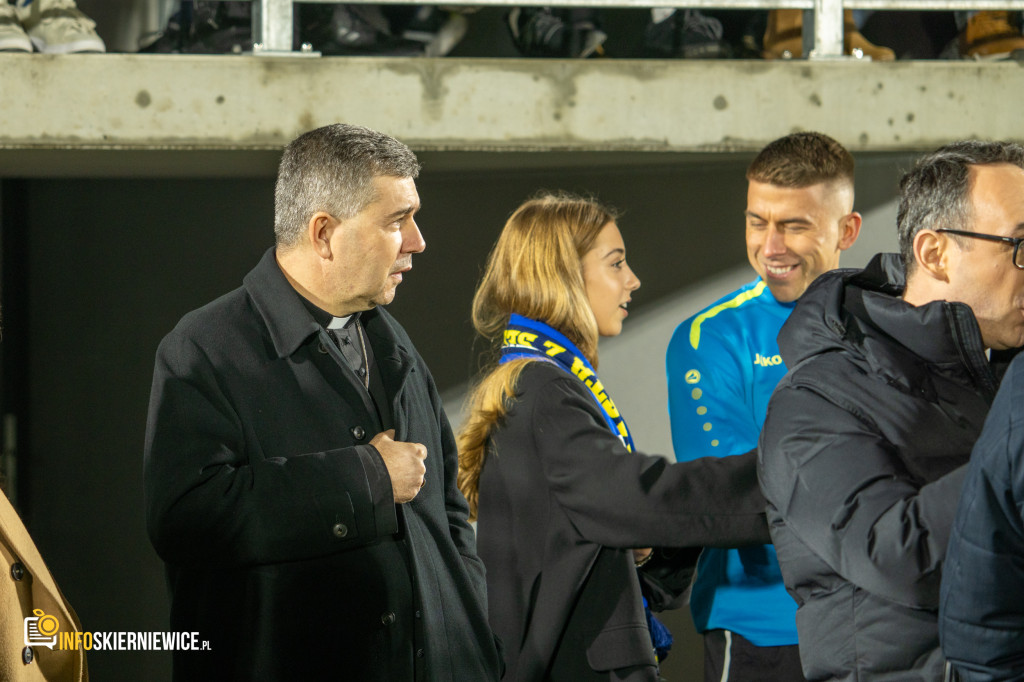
x: 17, y: 571
x: 388, y: 618
x: 26, y: 655
x: 419, y: 653
x: 419, y: 615
x: 340, y: 530
x: 358, y: 432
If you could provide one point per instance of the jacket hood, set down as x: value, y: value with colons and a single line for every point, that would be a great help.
x: 863, y: 311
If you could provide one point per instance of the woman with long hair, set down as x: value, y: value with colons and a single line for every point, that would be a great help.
x: 565, y: 504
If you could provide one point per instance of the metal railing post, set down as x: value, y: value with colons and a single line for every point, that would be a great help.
x: 828, y: 29
x: 807, y: 34
x: 272, y: 26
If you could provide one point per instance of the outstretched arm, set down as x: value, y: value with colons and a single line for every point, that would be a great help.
x: 622, y: 499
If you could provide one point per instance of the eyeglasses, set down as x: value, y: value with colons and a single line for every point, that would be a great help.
x: 1018, y: 255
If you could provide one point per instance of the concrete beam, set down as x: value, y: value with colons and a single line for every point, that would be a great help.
x: 183, y: 102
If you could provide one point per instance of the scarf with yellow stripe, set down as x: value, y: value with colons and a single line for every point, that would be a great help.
x: 526, y: 338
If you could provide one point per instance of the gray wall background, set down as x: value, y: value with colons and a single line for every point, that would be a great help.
x: 110, y: 264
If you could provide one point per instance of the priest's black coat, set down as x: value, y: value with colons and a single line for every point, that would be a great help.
x: 284, y: 548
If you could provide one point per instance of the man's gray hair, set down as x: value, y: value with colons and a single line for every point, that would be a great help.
x: 936, y: 193
x: 331, y: 169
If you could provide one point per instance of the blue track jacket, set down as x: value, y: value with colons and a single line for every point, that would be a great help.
x: 723, y: 364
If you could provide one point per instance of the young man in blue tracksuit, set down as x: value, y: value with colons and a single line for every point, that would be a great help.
x: 723, y: 365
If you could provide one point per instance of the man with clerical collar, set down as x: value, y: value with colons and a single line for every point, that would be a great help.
x: 350, y: 338
x: 300, y: 471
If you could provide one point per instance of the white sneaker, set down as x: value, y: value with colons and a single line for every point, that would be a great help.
x: 59, y: 27
x: 12, y: 36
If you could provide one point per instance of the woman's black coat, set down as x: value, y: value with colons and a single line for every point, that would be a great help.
x: 562, y: 502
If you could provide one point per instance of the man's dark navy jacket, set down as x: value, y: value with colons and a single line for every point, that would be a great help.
x: 981, y: 614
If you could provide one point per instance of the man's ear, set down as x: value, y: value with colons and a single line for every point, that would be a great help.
x: 931, y: 253
x: 849, y: 230
x: 319, y: 231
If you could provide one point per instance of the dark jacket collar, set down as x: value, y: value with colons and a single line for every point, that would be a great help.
x: 863, y: 311
x: 290, y: 322
x: 287, y: 319
x: 939, y: 332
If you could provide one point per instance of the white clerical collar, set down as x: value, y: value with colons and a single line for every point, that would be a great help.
x: 338, y: 322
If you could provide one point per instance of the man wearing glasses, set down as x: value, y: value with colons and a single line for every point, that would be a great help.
x: 863, y: 451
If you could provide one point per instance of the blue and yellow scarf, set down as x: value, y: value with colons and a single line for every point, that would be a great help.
x: 526, y: 338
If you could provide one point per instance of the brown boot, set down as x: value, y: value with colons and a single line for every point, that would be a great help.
x: 783, y: 38
x: 990, y: 35
x: 854, y: 40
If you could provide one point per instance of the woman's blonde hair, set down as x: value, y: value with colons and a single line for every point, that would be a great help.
x: 536, y: 270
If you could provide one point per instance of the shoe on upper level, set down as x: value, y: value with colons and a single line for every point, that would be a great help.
x: 58, y: 27
x: 783, y: 38
x: 699, y: 36
x: 12, y: 37
x: 991, y: 35
x: 551, y: 32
